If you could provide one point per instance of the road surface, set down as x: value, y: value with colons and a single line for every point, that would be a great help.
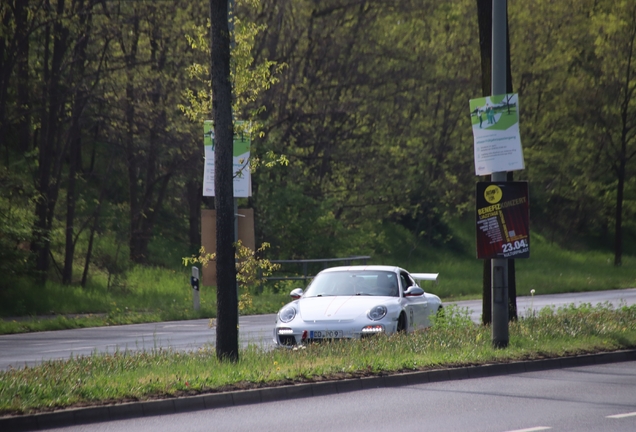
x: 582, y: 399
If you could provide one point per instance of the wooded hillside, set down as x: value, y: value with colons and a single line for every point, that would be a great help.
x: 98, y: 159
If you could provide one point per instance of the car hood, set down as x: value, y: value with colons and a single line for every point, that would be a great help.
x: 338, y: 308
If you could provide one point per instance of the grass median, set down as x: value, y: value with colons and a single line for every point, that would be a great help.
x: 453, y: 341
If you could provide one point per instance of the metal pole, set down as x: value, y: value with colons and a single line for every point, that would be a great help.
x: 499, y: 269
x: 194, y: 281
x: 498, y: 47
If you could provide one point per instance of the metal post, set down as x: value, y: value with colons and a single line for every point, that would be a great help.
x: 194, y: 281
x: 499, y: 35
x: 499, y: 269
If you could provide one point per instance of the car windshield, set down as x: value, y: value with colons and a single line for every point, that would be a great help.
x: 350, y: 283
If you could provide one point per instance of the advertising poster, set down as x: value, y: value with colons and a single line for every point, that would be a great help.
x: 495, y: 123
x: 503, y: 220
x: 241, y: 161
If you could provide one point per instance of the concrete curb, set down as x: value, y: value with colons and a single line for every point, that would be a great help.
x: 79, y: 416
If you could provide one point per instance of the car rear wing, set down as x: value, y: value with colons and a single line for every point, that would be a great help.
x: 426, y: 277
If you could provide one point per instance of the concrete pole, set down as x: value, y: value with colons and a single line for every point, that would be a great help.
x: 499, y: 269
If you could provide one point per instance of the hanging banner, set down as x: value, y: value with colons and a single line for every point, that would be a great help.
x: 241, y: 160
x: 495, y: 122
x: 503, y: 220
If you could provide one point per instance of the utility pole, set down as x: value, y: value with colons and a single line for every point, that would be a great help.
x: 227, y: 302
x: 230, y: 26
x: 499, y: 267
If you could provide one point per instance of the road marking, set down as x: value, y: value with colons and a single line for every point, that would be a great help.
x: 533, y: 429
x: 58, y: 341
x: 147, y: 334
x: 71, y: 349
x: 631, y: 414
x: 182, y: 325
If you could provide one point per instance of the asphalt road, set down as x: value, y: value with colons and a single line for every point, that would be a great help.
x: 525, y: 305
x: 583, y: 399
x: 31, y: 348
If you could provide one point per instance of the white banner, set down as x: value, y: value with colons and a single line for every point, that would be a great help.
x: 495, y: 122
x: 241, y: 160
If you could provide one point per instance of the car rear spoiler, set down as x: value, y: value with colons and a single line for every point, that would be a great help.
x: 426, y: 276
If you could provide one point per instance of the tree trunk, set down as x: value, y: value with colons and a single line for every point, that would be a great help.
x: 227, y: 298
x: 50, y: 153
x: 623, y: 156
x: 74, y: 155
x: 95, y: 224
x: 618, y: 223
x: 137, y: 253
x: 91, y: 239
x: 6, y: 67
x: 24, y: 110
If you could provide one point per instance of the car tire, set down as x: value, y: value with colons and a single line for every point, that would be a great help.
x: 401, y: 324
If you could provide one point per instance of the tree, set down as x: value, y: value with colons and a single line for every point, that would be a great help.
x: 79, y: 101
x: 369, y: 111
x: 614, y: 89
x: 50, y: 143
x: 147, y: 64
x: 576, y: 78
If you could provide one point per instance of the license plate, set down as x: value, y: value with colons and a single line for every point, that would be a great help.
x: 326, y: 334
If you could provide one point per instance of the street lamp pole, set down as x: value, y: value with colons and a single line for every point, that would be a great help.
x: 499, y: 269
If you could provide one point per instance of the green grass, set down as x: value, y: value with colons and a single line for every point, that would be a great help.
x: 453, y: 341
x: 549, y: 270
x: 146, y: 294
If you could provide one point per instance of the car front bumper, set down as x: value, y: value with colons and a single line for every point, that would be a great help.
x: 306, y: 332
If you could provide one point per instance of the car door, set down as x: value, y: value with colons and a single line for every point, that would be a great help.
x: 416, y: 307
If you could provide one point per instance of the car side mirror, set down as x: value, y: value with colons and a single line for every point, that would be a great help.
x: 296, y: 293
x: 414, y: 291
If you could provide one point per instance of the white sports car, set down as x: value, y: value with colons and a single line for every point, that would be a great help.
x: 356, y: 301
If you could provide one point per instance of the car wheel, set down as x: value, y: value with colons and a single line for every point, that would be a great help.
x: 440, y: 312
x: 401, y: 325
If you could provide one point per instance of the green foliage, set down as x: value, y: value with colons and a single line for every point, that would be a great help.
x: 249, y: 268
x: 17, y: 200
x: 570, y: 71
x: 378, y: 119
x: 249, y: 77
x: 361, y: 135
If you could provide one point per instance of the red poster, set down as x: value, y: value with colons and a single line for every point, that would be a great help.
x: 503, y: 222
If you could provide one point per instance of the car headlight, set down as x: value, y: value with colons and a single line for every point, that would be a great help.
x: 377, y: 313
x: 287, y: 314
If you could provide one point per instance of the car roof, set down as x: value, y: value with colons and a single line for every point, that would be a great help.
x: 362, y: 268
